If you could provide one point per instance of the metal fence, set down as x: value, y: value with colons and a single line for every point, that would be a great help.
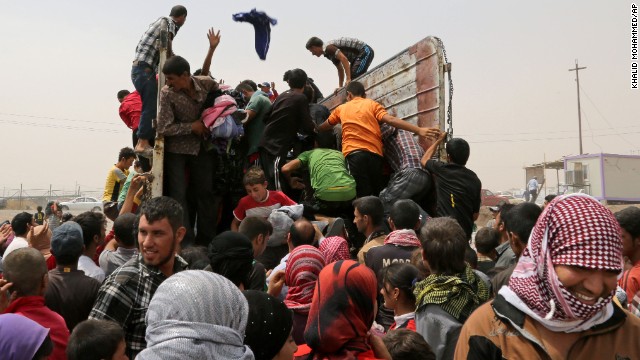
x: 41, y: 196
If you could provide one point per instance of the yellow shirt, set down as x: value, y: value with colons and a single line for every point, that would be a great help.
x: 115, y: 178
x: 360, y: 119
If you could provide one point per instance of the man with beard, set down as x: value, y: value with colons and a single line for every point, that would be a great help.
x: 125, y: 294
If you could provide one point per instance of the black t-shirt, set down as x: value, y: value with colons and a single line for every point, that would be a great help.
x: 458, y: 191
x: 289, y: 114
x: 71, y: 294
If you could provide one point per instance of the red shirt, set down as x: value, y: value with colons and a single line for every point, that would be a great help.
x: 130, y: 109
x: 409, y: 325
x: 630, y: 281
x: 304, y: 350
x: 249, y: 207
x: 33, y: 308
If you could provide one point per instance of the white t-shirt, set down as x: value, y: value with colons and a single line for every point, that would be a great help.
x: 90, y: 268
x: 16, y: 243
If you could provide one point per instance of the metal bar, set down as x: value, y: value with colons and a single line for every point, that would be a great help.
x: 158, y: 150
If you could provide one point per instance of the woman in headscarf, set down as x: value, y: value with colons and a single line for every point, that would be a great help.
x: 342, y: 312
x: 196, y: 314
x: 269, y: 327
x: 558, y: 303
x: 303, y: 267
x: 231, y: 255
x: 23, y: 339
x: 335, y: 248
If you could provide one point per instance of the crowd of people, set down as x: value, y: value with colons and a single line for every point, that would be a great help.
x: 289, y: 231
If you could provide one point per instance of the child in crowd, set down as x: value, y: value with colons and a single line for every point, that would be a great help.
x: 95, y: 340
x: 404, y: 344
x: 259, y: 201
x: 397, y: 289
x: 487, y: 239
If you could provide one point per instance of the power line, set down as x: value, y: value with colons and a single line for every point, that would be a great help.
x: 541, y: 139
x: 56, y: 118
x: 54, y: 126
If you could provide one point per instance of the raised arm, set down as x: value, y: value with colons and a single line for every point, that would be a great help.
x: 432, y: 149
x: 346, y: 65
x: 214, y: 40
x: 404, y: 125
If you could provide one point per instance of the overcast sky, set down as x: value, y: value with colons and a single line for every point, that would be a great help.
x: 514, y: 101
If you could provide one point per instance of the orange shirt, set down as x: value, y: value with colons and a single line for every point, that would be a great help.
x: 360, y: 119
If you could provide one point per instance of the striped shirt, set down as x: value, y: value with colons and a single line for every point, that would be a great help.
x: 147, y: 50
x: 401, y: 150
x: 349, y: 47
x: 124, y: 298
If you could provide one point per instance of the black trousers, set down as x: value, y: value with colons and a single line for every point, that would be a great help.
x: 366, y: 169
x: 186, y: 175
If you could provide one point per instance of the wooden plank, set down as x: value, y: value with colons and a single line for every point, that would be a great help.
x: 158, y: 149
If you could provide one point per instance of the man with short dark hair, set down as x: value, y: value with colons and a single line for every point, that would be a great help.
x: 257, y: 110
x: 457, y: 187
x: 179, y: 120
x: 289, y: 115
x: 21, y: 225
x: 404, y: 220
x: 258, y: 230
x: 122, y: 247
x: 125, y: 294
x: 115, y: 180
x: 94, y: 226
x: 506, y: 256
x: 447, y: 297
x: 368, y: 218
x: 350, y: 56
x: 145, y: 69
x: 70, y: 292
x: 517, y: 222
x: 26, y: 270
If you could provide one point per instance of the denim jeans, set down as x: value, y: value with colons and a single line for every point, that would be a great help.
x: 144, y: 80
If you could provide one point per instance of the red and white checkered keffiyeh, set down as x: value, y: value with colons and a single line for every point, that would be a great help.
x: 573, y: 230
x: 335, y: 248
x: 404, y: 237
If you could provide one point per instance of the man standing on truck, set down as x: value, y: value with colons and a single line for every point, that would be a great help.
x: 144, y: 70
x: 351, y: 57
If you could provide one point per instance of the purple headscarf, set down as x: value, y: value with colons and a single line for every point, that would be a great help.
x: 20, y: 337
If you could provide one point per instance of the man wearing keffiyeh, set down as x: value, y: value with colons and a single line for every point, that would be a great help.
x: 446, y: 298
x: 558, y: 303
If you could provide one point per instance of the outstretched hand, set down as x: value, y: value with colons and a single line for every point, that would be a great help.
x: 214, y: 38
x: 432, y: 133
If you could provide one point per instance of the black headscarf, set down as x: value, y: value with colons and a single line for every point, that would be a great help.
x: 269, y: 324
x: 231, y: 255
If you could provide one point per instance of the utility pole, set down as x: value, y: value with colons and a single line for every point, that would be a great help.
x: 577, y: 69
